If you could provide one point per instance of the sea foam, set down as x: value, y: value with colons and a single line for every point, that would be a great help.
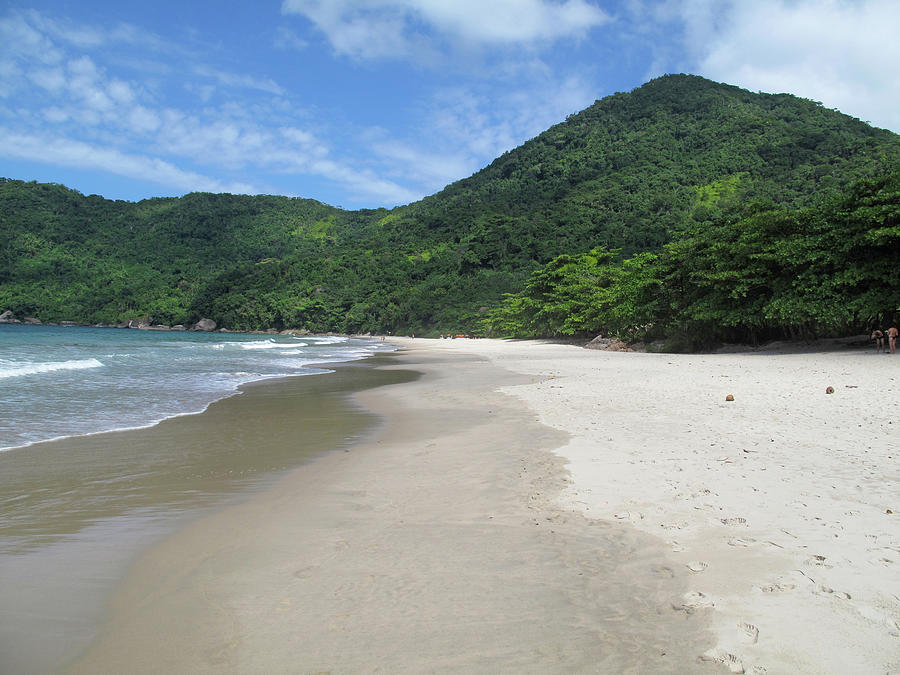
x: 21, y: 369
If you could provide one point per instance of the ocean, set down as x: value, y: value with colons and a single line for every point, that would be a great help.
x: 70, y: 381
x: 113, y: 439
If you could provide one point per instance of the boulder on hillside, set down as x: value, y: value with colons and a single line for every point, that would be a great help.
x: 31, y: 321
x: 204, y: 325
x: 7, y: 317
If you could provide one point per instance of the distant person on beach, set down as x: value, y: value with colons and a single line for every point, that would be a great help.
x: 878, y: 336
x: 892, y: 334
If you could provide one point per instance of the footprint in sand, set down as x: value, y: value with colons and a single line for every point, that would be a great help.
x: 306, y: 572
x: 692, y: 601
x: 733, y: 521
x: 628, y: 515
x: 740, y: 541
x: 816, y: 561
x: 777, y: 588
x: 828, y: 590
x: 697, y: 566
x: 663, y: 571
x: 729, y: 660
x: 751, y: 632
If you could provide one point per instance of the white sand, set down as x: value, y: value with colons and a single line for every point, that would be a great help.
x: 778, y: 503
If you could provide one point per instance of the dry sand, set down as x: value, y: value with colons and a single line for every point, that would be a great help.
x: 531, y: 507
x: 782, y: 505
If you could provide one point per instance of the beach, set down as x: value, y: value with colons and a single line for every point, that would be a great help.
x: 77, y: 512
x: 780, y: 504
x: 534, y: 507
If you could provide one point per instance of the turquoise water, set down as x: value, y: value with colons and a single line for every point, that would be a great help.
x: 69, y: 381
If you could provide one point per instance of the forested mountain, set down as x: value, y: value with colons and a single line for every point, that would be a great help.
x: 679, y: 159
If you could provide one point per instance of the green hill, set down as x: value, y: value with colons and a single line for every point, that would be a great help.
x: 632, y: 172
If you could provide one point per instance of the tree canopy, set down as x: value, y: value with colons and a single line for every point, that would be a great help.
x: 664, y: 187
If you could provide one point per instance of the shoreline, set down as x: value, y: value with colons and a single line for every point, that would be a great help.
x: 435, y: 545
x: 81, y: 509
x: 196, y: 407
x: 544, y: 508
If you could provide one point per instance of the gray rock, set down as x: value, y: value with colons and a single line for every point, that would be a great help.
x: 178, y: 326
x: 204, y: 325
x: 7, y: 317
x: 31, y: 321
x: 608, y: 344
x: 598, y: 342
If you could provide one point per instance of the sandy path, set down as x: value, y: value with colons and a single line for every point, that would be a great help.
x: 779, y: 504
x: 438, y: 545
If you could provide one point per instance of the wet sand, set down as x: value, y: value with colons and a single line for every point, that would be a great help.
x: 76, y: 512
x: 438, y: 544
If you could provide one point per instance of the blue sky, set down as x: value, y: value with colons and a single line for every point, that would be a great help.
x: 368, y: 103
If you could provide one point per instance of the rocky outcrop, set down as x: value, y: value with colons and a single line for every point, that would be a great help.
x: 31, y: 321
x: 598, y: 342
x: 7, y: 317
x: 608, y: 344
x: 204, y: 325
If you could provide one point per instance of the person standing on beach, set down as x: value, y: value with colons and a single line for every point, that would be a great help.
x: 878, y: 336
x: 892, y: 334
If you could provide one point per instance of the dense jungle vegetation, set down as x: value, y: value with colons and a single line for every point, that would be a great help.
x: 687, y: 209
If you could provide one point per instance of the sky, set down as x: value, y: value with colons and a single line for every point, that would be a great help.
x: 376, y: 103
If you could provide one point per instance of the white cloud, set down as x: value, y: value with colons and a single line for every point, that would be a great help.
x: 66, y: 152
x: 56, y: 115
x: 509, y: 21
x: 143, y: 120
x: 844, y: 54
x: 88, y: 37
x: 241, y: 81
x: 120, y: 92
x: 51, y: 79
x: 21, y: 39
x: 381, y: 28
x: 288, y: 39
x: 431, y: 170
x: 464, y: 129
